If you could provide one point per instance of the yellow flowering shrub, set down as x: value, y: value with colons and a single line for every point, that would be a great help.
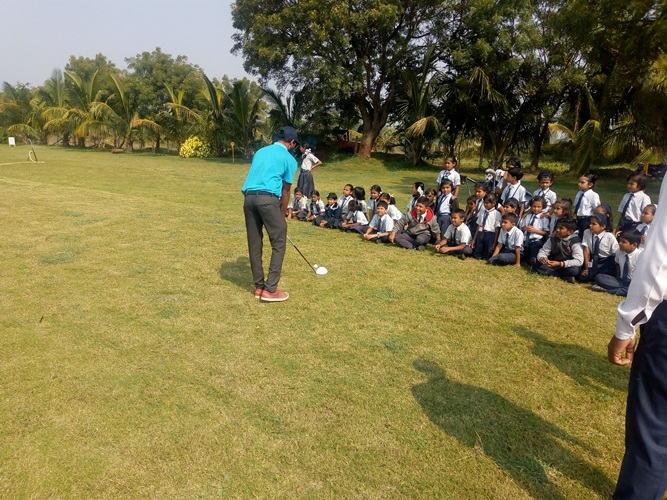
x: 194, y: 147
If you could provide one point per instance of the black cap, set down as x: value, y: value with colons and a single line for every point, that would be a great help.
x: 288, y: 133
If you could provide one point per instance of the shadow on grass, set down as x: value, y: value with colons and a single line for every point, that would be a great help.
x: 516, y: 439
x: 582, y: 365
x: 237, y: 272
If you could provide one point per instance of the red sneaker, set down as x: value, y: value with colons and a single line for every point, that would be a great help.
x: 276, y: 296
x: 258, y: 292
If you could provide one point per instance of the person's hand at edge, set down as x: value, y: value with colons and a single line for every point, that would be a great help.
x: 617, y: 347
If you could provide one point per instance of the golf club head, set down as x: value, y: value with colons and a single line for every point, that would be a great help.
x: 321, y: 270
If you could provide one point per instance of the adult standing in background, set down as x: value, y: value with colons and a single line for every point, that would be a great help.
x: 266, y: 190
x: 309, y: 163
x: 643, y: 472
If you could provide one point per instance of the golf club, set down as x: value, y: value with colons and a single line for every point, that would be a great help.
x: 316, y: 269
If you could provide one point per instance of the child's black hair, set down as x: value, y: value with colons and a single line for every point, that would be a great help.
x: 376, y: 188
x: 459, y: 212
x: 608, y: 212
x: 513, y: 161
x: 640, y: 178
x: 472, y: 198
x: 545, y: 175
x: 446, y: 182
x: 591, y: 178
x: 388, y: 198
x: 453, y: 158
x: 651, y: 207
x: 419, y: 185
x: 541, y: 199
x: 359, y: 193
x: 512, y: 203
x: 568, y: 223
x: 566, y: 205
x: 332, y: 196
x: 298, y: 190
x: 513, y: 218
x: 350, y: 186
x: 632, y: 236
x: 490, y: 198
x: 315, y: 192
x: 516, y: 172
x: 431, y: 191
x: 423, y: 200
x: 353, y: 206
x: 382, y: 204
x: 483, y: 186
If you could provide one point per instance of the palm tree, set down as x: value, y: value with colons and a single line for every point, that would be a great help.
x: 53, y: 97
x: 242, y: 114
x: 19, y: 110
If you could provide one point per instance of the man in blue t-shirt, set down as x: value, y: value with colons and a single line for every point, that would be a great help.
x: 266, y: 191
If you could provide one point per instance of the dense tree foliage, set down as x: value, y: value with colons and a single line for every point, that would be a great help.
x: 501, y: 76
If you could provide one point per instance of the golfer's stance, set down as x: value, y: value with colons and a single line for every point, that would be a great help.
x: 644, y: 469
x: 266, y: 190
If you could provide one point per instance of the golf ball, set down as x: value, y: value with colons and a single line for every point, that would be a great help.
x: 315, y: 266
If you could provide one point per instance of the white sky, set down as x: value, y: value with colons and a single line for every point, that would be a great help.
x: 39, y: 35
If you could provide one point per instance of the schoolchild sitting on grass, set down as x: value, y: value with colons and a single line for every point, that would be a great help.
x: 373, y: 198
x: 298, y: 207
x: 359, y: 194
x: 470, y: 214
x: 381, y: 225
x: 392, y: 211
x: 645, y: 225
x: 332, y: 213
x: 416, y: 228
x: 510, y: 243
x: 626, y: 259
x: 600, y: 248
x: 356, y: 218
x: 562, y: 254
x: 343, y: 203
x: 488, y: 227
x: 315, y: 208
x: 535, y: 228
x: 562, y: 209
x: 457, y: 238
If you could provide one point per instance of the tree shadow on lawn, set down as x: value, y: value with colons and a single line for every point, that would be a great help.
x: 516, y: 439
x: 237, y: 272
x: 582, y: 365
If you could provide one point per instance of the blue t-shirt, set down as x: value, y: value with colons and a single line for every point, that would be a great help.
x: 271, y: 166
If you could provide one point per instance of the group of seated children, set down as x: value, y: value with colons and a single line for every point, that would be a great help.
x: 555, y: 237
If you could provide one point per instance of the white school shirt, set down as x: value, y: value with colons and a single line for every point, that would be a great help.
x: 492, y: 221
x: 644, y: 229
x: 308, y: 161
x: 302, y: 204
x: 649, y: 286
x: 632, y: 257
x: 638, y: 202
x: 588, y: 203
x: 536, y: 221
x: 515, y: 238
x: 455, y: 236
x: 317, y: 208
x: 608, y: 243
x: 343, y: 203
x: 363, y: 206
x: 444, y: 207
x: 394, y: 212
x: 412, y: 202
x: 383, y: 224
x: 372, y: 205
x: 358, y: 217
x: 452, y: 175
x: 548, y: 195
x: 516, y: 191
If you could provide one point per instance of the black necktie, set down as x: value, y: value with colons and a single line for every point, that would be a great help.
x: 627, y: 205
x: 578, y: 204
x: 626, y: 268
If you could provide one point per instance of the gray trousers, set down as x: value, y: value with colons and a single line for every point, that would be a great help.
x: 265, y: 211
x: 503, y: 259
x: 409, y: 241
x: 612, y: 284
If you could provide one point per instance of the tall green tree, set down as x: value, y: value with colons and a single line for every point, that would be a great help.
x: 353, y: 49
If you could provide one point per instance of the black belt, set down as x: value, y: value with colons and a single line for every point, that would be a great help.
x: 260, y: 193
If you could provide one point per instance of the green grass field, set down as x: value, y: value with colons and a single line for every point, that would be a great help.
x: 136, y: 362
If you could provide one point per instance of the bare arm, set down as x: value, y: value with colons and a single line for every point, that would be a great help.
x: 285, y: 197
